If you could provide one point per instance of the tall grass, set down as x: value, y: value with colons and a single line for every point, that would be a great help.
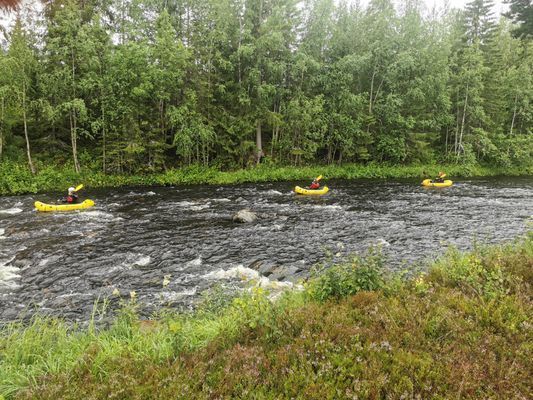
x: 461, y: 330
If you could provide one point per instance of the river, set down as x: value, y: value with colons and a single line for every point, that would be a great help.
x: 167, y: 244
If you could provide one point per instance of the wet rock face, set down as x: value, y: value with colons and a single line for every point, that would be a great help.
x: 244, y: 216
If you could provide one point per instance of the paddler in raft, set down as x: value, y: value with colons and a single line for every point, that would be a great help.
x: 72, y: 197
x: 314, y: 185
x: 440, y: 177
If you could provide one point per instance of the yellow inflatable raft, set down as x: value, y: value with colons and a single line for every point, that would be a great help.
x: 301, y: 190
x: 430, y: 183
x: 63, y: 207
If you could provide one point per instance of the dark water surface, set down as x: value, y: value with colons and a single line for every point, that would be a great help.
x: 169, y: 243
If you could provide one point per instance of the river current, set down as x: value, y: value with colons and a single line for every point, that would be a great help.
x: 168, y: 244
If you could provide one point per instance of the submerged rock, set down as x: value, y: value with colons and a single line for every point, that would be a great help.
x: 244, y: 216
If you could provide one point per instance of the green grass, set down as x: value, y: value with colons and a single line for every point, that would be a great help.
x: 17, y: 179
x: 461, y: 330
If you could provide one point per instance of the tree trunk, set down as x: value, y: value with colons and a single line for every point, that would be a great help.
x: 463, y: 122
x: 162, y: 119
x: 28, y: 151
x: 456, y: 133
x: 376, y: 93
x: 239, y: 49
x: 258, y: 142
x: 371, y: 92
x: 514, y: 115
x: 272, y: 141
x: 74, y: 140
x: 104, y: 164
x: 446, y: 142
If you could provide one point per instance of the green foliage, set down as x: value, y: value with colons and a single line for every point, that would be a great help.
x: 145, y: 87
x: 521, y: 12
x: 15, y: 178
x: 347, y: 279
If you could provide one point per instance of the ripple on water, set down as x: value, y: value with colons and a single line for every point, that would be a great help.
x: 273, y: 192
x: 11, y: 211
x: 193, y: 206
x: 195, y: 263
x: 141, y: 261
x: 185, y: 203
x: 92, y: 216
x: 325, y: 207
x: 175, y: 296
x: 199, y: 207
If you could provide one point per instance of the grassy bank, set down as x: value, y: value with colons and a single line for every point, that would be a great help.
x: 463, y: 330
x: 17, y: 179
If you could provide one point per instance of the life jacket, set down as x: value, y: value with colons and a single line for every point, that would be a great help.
x: 314, y: 185
x: 72, y: 198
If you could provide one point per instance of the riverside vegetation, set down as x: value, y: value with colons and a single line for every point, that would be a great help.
x: 17, y: 179
x: 463, y: 329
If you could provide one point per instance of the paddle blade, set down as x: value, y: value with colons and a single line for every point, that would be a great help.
x: 79, y: 187
x: 319, y: 177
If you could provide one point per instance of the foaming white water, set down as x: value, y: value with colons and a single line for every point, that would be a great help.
x: 11, y: 211
x: 195, y: 263
x: 332, y: 207
x: 222, y: 200
x: 142, y: 261
x: 252, y: 276
x: 274, y: 192
x: 72, y: 294
x: 43, y: 262
x: 193, y: 206
x: 2, y: 231
x: 185, y: 203
x: 8, y: 275
x: 96, y: 215
x: 199, y: 208
x: 239, y: 272
x: 150, y: 193
x: 131, y: 260
x: 382, y: 242
x: 172, y: 296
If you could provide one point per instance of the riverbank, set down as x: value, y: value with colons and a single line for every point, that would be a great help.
x: 17, y: 179
x: 463, y: 329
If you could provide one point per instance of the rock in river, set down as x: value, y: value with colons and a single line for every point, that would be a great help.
x: 244, y: 216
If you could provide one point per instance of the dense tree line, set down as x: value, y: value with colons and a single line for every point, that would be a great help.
x: 130, y: 85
